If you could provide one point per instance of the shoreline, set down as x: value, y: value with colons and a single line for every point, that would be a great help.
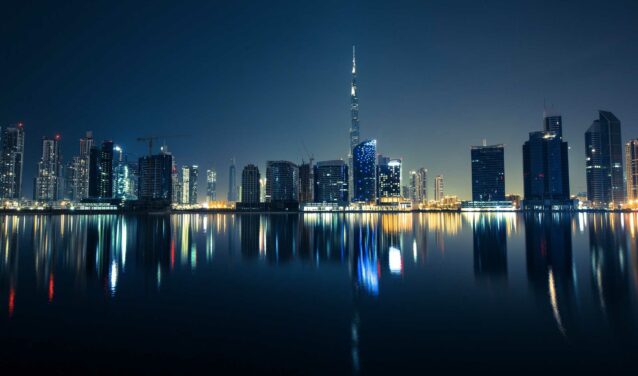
x: 234, y: 211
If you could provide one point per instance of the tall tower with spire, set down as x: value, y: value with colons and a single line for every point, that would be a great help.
x: 354, y: 120
x: 354, y: 105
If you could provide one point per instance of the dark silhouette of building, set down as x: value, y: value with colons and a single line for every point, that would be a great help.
x: 250, y: 188
x: 546, y: 169
x: 604, y: 152
x: 282, y: 182
x: 331, y: 182
x: 306, y: 182
x: 364, y: 157
x: 155, y: 177
x: 106, y: 170
x: 488, y: 173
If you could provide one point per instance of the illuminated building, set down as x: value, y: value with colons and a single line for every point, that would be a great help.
x: 211, y: 185
x: 250, y: 188
x: 47, y: 182
x: 11, y: 161
x: 282, y: 182
x: 262, y: 190
x: 388, y: 177
x: 354, y: 119
x: 306, y: 185
x: 488, y: 173
x: 418, y: 185
x: 331, y: 182
x: 631, y: 161
x: 546, y: 170
x: 78, y: 176
x: 364, y: 157
x: 232, y: 182
x: 123, y: 178
x: 155, y: 177
x: 188, y: 184
x: 106, y: 170
x: 603, y: 152
x: 438, y: 188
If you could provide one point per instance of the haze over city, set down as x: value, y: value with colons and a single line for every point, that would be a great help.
x: 258, y: 82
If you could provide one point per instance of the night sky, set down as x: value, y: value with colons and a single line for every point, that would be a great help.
x: 259, y: 80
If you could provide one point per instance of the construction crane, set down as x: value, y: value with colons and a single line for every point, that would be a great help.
x: 150, y: 140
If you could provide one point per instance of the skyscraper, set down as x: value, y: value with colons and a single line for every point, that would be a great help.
x: 488, y: 173
x: 354, y: 119
x: 250, y: 187
x: 155, y: 177
x: 553, y: 123
x: 631, y: 161
x: 603, y: 149
x: 211, y: 185
x: 122, y: 177
x: 331, y: 182
x: 438, y: 188
x: 306, y: 185
x: 545, y: 171
x: 189, y: 184
x: 354, y: 105
x: 80, y: 166
x: 11, y: 161
x: 418, y: 185
x: 106, y: 170
x: 282, y: 182
x: 388, y: 177
x: 47, y: 182
x: 232, y: 182
x: 364, y: 157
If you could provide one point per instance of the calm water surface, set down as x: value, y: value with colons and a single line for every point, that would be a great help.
x: 313, y: 293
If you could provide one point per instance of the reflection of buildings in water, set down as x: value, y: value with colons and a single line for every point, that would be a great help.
x: 281, y: 237
x: 249, y: 234
x: 365, y: 258
x: 156, y: 246
x: 9, y: 259
x: 550, y: 270
x: 45, y: 247
x: 490, y: 247
x: 443, y: 224
x: 632, y: 221
x: 183, y: 229
x: 323, y: 237
x: 419, y: 238
x: 610, y: 274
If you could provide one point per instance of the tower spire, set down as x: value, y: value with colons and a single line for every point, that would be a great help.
x: 354, y: 104
x: 354, y: 61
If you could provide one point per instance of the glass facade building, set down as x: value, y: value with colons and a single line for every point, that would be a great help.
x: 331, y: 182
x: 11, y: 161
x: 364, y: 157
x: 603, y: 153
x: 250, y: 188
x: 545, y: 171
x: 282, y: 182
x: 488, y: 173
x: 388, y: 177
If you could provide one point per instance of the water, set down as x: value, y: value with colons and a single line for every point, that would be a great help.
x: 318, y: 293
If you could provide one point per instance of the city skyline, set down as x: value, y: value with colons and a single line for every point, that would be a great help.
x: 411, y: 114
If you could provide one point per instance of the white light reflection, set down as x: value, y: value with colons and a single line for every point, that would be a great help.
x: 396, y: 264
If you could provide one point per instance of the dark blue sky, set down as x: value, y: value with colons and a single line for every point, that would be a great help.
x: 256, y: 80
